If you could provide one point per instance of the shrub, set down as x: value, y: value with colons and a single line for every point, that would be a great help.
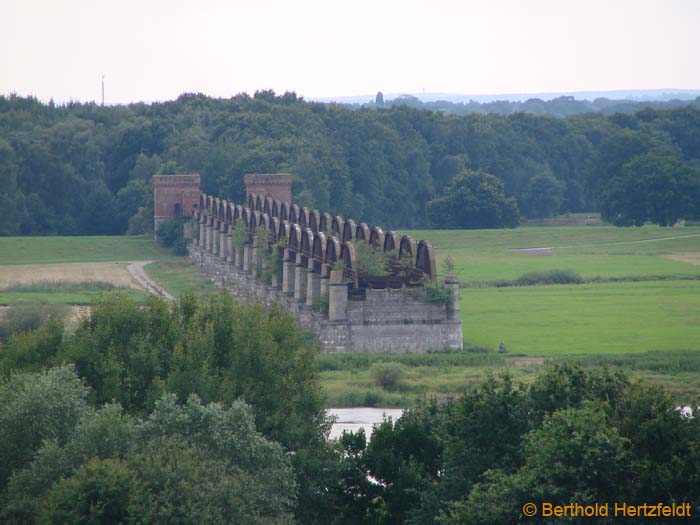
x: 29, y: 316
x: 387, y: 375
x: 370, y: 260
x: 549, y: 277
x: 169, y: 231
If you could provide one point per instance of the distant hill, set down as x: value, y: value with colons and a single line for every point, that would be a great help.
x: 557, y: 104
x: 638, y: 95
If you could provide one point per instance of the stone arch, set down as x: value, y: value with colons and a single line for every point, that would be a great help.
x: 407, y: 247
x: 318, y: 251
x: 425, y: 260
x: 303, y: 219
x: 215, y: 207
x: 284, y: 215
x: 307, y: 242
x: 253, y: 222
x: 332, y: 251
x: 376, y: 237
x: 273, y: 228
x: 251, y: 201
x: 391, y: 241
x: 245, y: 216
x: 348, y: 231
x: 264, y: 225
x: 258, y: 202
x: 222, y: 209
x: 275, y: 208
x: 337, y: 225
x: 293, y: 214
x: 229, y: 213
x: 314, y: 220
x: 202, y: 201
x: 362, y: 232
x: 324, y: 222
x: 267, y: 206
x: 349, y: 259
x: 283, y: 232
x: 237, y: 212
x: 294, y: 242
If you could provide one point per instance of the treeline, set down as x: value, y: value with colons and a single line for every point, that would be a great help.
x: 212, y: 413
x: 562, y: 106
x: 85, y: 169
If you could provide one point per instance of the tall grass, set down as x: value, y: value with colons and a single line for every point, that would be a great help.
x: 363, y: 361
x: 61, y: 287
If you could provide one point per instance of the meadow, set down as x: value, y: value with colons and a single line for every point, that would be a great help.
x: 635, y: 297
x: 45, y: 250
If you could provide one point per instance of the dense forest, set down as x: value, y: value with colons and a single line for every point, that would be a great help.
x: 212, y: 413
x: 84, y: 169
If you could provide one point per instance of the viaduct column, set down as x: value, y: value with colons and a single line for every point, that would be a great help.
x: 300, y: 279
x: 338, y: 297
x: 216, y: 246
x: 202, y: 241
x: 323, y: 286
x: 230, y: 257
x: 313, y: 285
x: 247, y: 257
x: 210, y: 233
x: 223, y: 251
x: 288, y: 273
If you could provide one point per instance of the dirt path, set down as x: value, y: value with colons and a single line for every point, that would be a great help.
x: 136, y: 270
x: 547, y: 250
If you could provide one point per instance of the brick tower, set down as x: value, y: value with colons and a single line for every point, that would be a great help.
x: 174, y: 196
x: 275, y: 185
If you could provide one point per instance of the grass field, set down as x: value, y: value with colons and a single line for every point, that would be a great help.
x: 44, y: 250
x: 179, y: 276
x: 487, y: 255
x: 658, y: 309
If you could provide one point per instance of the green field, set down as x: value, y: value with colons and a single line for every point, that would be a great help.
x: 180, y: 276
x: 658, y: 309
x: 487, y: 255
x: 44, y: 250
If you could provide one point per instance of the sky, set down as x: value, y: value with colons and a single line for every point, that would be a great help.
x: 154, y: 50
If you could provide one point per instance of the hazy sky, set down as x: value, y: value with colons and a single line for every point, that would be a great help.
x: 157, y: 49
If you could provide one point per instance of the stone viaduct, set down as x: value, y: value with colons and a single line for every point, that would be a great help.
x: 270, y: 250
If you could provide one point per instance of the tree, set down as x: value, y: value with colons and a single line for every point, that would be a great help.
x: 35, y: 407
x: 651, y: 187
x: 543, y: 196
x: 473, y: 199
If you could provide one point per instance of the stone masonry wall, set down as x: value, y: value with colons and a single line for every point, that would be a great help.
x: 383, y: 321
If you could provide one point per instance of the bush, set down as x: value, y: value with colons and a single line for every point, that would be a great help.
x: 370, y: 260
x: 387, y: 375
x: 29, y: 316
x: 549, y: 277
x: 171, y: 234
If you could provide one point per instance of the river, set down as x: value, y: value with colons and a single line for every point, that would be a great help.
x: 352, y: 419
